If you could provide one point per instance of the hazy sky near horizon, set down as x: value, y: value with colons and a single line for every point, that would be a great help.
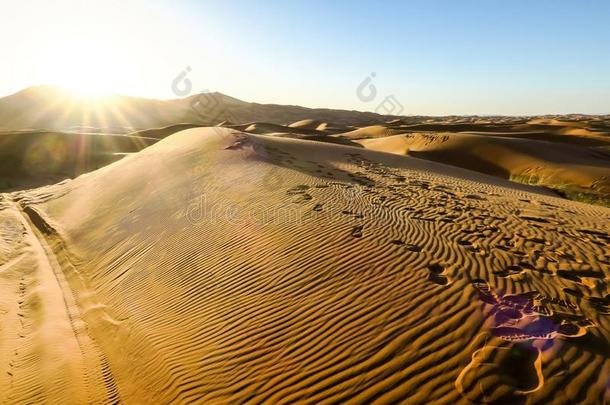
x: 434, y: 57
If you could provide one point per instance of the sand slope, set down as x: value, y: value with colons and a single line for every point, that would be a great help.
x: 34, y: 158
x: 224, y: 267
x: 540, y: 162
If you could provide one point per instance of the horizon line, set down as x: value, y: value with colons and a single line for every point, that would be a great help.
x: 119, y: 94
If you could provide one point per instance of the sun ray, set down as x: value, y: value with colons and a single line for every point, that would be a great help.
x: 116, y: 111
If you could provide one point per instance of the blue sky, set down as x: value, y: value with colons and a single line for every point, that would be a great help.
x: 435, y: 57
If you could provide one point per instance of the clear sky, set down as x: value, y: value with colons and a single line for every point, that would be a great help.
x: 435, y: 57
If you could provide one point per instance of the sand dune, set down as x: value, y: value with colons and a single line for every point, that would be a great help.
x: 163, y: 132
x: 578, y: 170
x: 308, y: 124
x: 50, y: 108
x: 299, y: 255
x: 35, y: 158
x: 219, y: 266
x: 572, y: 157
x: 297, y: 132
x: 269, y: 128
x: 556, y: 165
x: 372, y: 131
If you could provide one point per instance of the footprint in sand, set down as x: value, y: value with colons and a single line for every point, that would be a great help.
x: 573, y: 292
x: 413, y: 247
x: 501, y: 375
x: 357, y: 231
x: 409, y: 246
x: 529, y: 316
x: 508, y: 371
x: 466, y: 244
x: 352, y: 214
x: 475, y: 197
x: 601, y: 305
x: 436, y: 274
x: 485, y: 292
x: 299, y: 193
x: 304, y: 197
x: 578, y: 275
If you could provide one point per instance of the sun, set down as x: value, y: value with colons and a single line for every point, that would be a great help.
x: 86, y: 90
x: 88, y: 65
x: 86, y: 81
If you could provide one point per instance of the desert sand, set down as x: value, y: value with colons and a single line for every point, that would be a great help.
x: 312, y: 261
x: 569, y: 154
x: 222, y: 266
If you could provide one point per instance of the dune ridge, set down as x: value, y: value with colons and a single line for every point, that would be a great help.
x: 533, y: 160
x: 532, y: 150
x: 52, y: 109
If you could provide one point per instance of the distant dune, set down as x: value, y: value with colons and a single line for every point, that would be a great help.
x: 569, y: 154
x: 219, y: 266
x: 558, y: 165
x: 49, y: 108
x: 35, y: 158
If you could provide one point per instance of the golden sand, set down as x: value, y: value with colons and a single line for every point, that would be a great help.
x: 219, y: 266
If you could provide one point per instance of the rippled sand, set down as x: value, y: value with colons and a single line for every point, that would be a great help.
x: 219, y: 266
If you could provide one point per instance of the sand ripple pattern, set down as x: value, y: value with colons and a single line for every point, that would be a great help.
x: 219, y: 267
